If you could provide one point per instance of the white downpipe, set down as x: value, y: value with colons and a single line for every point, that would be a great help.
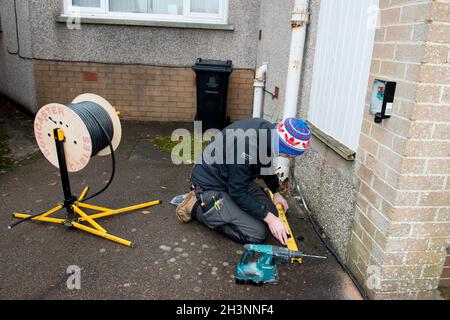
x: 259, y: 86
x: 299, y: 22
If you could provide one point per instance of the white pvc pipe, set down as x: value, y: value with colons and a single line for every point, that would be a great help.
x: 258, y: 101
x: 259, y: 91
x: 300, y: 19
x: 299, y: 22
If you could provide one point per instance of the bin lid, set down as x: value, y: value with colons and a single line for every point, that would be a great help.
x: 213, y: 65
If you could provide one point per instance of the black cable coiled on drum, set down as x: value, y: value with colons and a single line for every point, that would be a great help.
x: 101, y: 130
x: 96, y: 119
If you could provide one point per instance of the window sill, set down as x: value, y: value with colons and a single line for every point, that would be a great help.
x: 147, y: 23
x: 345, y: 152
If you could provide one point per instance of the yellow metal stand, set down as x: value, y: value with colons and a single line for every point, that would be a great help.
x: 73, y: 205
x: 291, y: 244
x: 95, y: 228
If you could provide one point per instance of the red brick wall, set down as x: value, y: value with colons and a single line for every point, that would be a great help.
x: 445, y: 278
x: 139, y: 92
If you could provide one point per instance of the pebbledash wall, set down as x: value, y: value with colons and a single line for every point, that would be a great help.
x: 16, y: 70
x: 144, y: 71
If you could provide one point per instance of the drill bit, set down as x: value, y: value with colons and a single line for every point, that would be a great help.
x: 316, y: 257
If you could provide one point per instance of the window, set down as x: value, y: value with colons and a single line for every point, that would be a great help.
x: 170, y: 7
x: 207, y: 11
x: 87, y: 3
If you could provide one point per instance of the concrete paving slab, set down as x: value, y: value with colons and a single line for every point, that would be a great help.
x: 171, y: 260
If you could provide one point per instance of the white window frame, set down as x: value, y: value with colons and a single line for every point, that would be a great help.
x: 188, y: 16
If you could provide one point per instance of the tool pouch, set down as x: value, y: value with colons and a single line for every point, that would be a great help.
x: 211, y: 214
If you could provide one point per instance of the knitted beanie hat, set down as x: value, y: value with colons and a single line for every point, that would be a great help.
x: 294, y: 137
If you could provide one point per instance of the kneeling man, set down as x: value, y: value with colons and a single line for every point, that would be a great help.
x: 225, y: 196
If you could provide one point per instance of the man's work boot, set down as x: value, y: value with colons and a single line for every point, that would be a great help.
x: 184, y: 210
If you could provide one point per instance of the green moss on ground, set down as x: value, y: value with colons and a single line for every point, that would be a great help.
x: 166, y: 144
x: 5, y: 161
x: 13, y: 121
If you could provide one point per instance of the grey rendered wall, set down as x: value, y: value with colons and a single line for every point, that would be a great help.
x: 326, y: 180
x: 16, y: 73
x: 145, y: 45
x: 274, y: 48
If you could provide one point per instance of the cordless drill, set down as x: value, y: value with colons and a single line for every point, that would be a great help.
x: 258, y: 264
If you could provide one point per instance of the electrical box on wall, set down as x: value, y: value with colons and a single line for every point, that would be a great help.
x: 383, y: 94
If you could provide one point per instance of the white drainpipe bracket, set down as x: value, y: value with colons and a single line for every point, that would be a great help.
x: 259, y: 84
x: 300, y: 17
x: 261, y: 73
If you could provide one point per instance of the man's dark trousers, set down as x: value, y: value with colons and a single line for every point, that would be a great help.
x: 232, y: 221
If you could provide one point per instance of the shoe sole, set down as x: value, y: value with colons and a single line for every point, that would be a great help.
x: 181, y: 216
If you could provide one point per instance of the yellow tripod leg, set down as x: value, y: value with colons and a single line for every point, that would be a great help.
x: 102, y: 234
x: 43, y: 219
x: 55, y: 209
x: 92, y: 207
x: 88, y: 219
x: 83, y: 194
x: 46, y: 214
x: 118, y: 211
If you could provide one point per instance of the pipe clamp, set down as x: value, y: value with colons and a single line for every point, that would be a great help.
x: 259, y: 84
x: 300, y: 17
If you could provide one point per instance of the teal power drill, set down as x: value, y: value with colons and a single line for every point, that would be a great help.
x: 258, y: 264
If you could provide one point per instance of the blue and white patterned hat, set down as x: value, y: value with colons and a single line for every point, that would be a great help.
x: 294, y: 137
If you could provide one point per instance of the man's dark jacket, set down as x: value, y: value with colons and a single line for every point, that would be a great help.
x: 235, y: 178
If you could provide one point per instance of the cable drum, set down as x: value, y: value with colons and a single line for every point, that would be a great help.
x: 89, y: 124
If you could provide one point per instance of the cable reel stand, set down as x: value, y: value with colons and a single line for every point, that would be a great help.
x: 69, y: 136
